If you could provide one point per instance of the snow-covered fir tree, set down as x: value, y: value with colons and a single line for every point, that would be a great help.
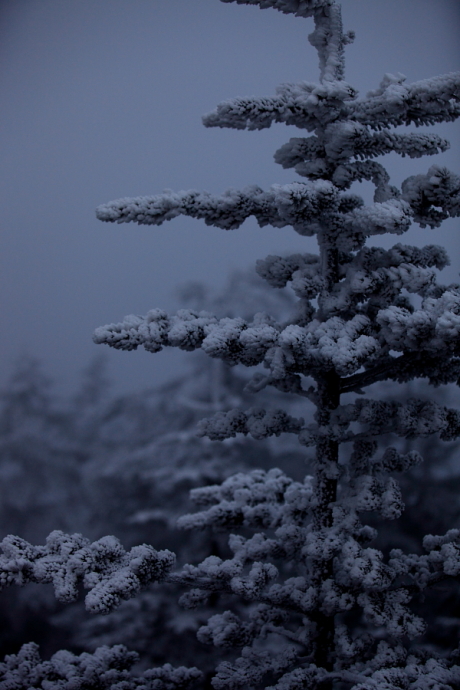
x: 325, y: 607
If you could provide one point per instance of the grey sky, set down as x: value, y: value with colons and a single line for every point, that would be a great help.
x: 103, y: 98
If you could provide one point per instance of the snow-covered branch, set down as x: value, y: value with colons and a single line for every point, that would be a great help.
x: 108, y: 668
x: 103, y: 567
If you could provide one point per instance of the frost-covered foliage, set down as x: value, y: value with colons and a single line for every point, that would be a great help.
x: 107, y: 669
x: 103, y: 567
x: 323, y: 606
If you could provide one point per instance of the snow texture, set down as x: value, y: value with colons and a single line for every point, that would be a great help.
x: 315, y: 602
x: 103, y: 567
x: 108, y: 669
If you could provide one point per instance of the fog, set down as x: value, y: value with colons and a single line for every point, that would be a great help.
x: 104, y: 98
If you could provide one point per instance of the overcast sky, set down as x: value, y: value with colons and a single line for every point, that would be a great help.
x: 103, y: 98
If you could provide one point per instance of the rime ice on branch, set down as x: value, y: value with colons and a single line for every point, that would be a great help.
x: 103, y: 567
x: 107, y: 669
x: 305, y: 561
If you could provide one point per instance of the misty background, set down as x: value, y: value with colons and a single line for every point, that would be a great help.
x: 103, y: 99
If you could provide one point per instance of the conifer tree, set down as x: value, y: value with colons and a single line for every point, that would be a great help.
x: 325, y: 607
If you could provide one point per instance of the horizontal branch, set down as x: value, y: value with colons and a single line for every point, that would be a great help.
x: 377, y: 373
x: 103, y: 567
